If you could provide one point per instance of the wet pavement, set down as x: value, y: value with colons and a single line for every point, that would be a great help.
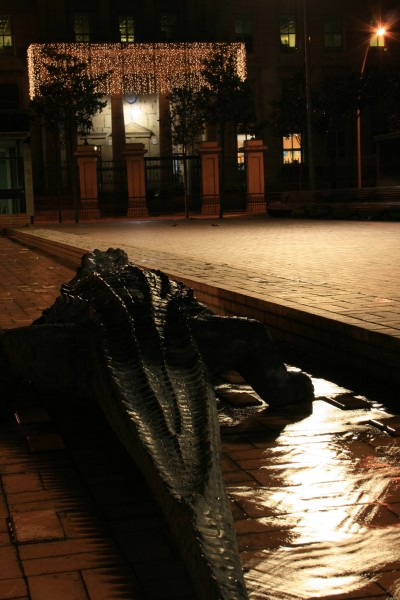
x: 315, y: 494
x: 318, y: 513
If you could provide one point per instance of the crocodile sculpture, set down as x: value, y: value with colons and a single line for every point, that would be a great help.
x: 146, y: 348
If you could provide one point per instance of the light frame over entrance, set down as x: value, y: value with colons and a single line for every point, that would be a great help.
x: 139, y: 68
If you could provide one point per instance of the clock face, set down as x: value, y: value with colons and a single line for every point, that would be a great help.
x: 131, y: 98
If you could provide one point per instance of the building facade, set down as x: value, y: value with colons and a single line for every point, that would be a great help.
x: 292, y: 48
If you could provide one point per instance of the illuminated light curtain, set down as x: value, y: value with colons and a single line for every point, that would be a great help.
x: 139, y: 68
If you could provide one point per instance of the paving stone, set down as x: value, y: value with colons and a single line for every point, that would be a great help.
x: 117, y: 582
x: 67, y: 547
x: 349, y: 402
x: 3, y: 508
x: 22, y: 482
x: 10, y: 565
x: 36, y: 526
x: 237, y: 396
x: 70, y: 562
x: 45, y: 442
x: 57, y: 586
x: 28, y: 415
x: 13, y: 589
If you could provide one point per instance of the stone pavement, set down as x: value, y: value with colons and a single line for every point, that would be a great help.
x: 315, y: 497
x: 327, y: 288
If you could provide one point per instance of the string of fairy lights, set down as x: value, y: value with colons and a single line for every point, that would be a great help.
x: 139, y: 68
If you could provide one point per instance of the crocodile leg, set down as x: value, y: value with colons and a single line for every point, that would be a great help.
x: 246, y: 346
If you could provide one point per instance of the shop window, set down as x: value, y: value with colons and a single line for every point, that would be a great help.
x: 244, y: 32
x: 126, y: 29
x: 333, y: 33
x: 81, y: 27
x: 287, y: 31
x: 292, y: 149
x: 6, y: 39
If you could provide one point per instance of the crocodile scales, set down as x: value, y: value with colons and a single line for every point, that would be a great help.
x: 146, y: 349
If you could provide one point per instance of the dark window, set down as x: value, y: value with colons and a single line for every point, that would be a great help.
x: 169, y: 25
x: 81, y: 26
x: 6, y: 39
x: 333, y: 33
x: 126, y: 29
x: 287, y: 32
x: 9, y: 96
x: 244, y: 32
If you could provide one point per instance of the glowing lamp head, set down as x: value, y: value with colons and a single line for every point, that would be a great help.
x: 380, y: 32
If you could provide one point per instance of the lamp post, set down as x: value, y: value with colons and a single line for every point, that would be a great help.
x: 379, y: 33
x: 311, y: 170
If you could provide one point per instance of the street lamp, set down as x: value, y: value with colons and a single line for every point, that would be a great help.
x: 311, y: 170
x: 379, y: 33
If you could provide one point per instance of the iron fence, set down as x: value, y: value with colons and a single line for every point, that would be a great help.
x: 166, y: 192
x: 112, y: 188
x: 12, y: 192
x: 172, y: 184
x: 233, y: 185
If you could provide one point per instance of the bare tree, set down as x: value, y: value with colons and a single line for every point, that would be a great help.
x: 185, y: 121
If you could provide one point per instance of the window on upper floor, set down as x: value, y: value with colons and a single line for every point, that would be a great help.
x: 287, y: 32
x: 6, y: 38
x: 9, y: 96
x: 292, y: 153
x: 333, y: 33
x: 126, y: 29
x: 169, y: 25
x: 377, y: 39
x: 244, y: 32
x: 81, y: 26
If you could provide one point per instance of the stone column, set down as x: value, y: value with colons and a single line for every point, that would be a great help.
x: 254, y: 156
x: 86, y: 156
x: 134, y: 156
x: 210, y: 198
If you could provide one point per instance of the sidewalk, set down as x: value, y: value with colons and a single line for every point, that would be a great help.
x: 315, y: 498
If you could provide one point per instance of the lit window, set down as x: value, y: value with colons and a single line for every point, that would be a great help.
x: 333, y: 34
x: 169, y: 25
x: 240, y: 140
x: 287, y: 31
x: 244, y: 32
x: 292, y: 149
x: 126, y: 29
x: 81, y: 26
x: 377, y: 39
x: 6, y: 41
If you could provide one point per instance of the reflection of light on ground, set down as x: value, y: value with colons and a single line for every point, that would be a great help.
x: 322, y: 387
x: 323, y: 502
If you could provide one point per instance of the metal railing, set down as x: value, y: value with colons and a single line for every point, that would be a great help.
x: 172, y: 183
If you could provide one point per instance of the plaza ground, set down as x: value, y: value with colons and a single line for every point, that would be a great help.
x: 315, y: 497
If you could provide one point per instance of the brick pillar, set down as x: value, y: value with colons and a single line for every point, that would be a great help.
x: 86, y: 156
x: 134, y: 156
x: 210, y: 199
x: 254, y: 153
